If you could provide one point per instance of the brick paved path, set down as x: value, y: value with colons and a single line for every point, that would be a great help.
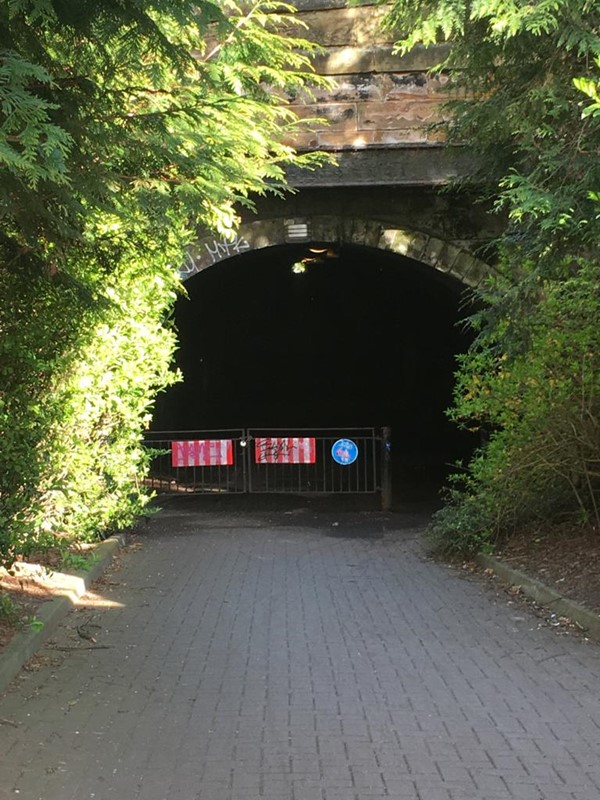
x: 279, y: 656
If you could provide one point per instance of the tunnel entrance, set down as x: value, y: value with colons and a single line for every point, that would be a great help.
x: 324, y: 335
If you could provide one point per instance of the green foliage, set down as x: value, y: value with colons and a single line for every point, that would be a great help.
x: 464, y: 525
x: 525, y: 98
x: 9, y: 613
x: 77, y: 562
x: 34, y: 624
x: 31, y: 146
x: 8, y: 609
x: 122, y: 129
x: 517, y: 102
x: 148, y: 116
x: 542, y: 406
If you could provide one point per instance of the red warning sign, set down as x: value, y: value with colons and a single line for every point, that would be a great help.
x: 202, y: 453
x: 285, y: 450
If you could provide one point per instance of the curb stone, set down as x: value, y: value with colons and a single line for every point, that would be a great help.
x: 588, y: 621
x: 26, y: 643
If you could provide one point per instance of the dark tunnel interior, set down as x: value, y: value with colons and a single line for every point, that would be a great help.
x: 289, y: 338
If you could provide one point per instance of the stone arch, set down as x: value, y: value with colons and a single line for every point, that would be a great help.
x: 444, y: 256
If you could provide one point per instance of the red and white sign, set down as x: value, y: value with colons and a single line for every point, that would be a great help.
x: 285, y: 450
x: 202, y: 453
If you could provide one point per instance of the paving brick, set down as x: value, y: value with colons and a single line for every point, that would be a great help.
x: 256, y: 657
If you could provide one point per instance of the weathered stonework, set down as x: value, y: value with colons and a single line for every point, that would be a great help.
x: 379, y: 98
x: 338, y: 230
x: 354, y: 26
x: 411, y: 165
x: 377, y: 120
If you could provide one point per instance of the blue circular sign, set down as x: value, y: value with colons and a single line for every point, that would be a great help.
x: 344, y: 452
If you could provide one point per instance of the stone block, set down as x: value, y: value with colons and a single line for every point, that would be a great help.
x: 398, y: 241
x: 478, y: 271
x: 406, y: 84
x: 361, y: 231
x: 447, y: 256
x: 331, y: 116
x: 386, y: 166
x: 434, y: 253
x: 361, y: 87
x: 465, y: 269
x: 325, y: 229
x: 346, y: 26
x: 418, y: 245
x: 313, y: 5
x: 406, y: 243
x: 305, y: 140
x: 355, y: 88
x: 365, y: 139
x: 377, y: 58
x: 398, y: 114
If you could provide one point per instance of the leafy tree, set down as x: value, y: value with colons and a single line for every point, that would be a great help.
x: 525, y: 82
x: 123, y: 127
x: 167, y: 111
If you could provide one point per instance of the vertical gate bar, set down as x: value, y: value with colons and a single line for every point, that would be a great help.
x: 365, y: 469
x: 242, y: 450
x: 375, y: 453
x: 248, y: 456
x: 386, y: 468
x: 335, y: 471
x: 320, y: 454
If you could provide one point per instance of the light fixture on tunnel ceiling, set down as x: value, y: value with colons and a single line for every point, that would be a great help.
x: 321, y: 253
x: 316, y: 255
x: 296, y: 230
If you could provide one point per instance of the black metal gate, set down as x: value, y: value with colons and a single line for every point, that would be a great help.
x: 269, y: 460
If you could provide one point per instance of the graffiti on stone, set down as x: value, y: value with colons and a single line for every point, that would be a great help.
x: 209, y: 252
x: 188, y: 268
x: 222, y: 248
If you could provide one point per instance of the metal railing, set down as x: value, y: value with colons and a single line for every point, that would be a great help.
x: 324, y: 475
x: 267, y: 460
x: 165, y: 477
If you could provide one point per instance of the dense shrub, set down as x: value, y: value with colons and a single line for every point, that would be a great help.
x: 122, y: 129
x: 526, y: 100
x: 542, y: 408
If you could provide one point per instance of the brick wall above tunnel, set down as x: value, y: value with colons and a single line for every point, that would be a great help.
x: 379, y: 99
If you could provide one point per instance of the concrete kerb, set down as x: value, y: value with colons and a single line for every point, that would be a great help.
x: 26, y: 643
x: 588, y: 621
